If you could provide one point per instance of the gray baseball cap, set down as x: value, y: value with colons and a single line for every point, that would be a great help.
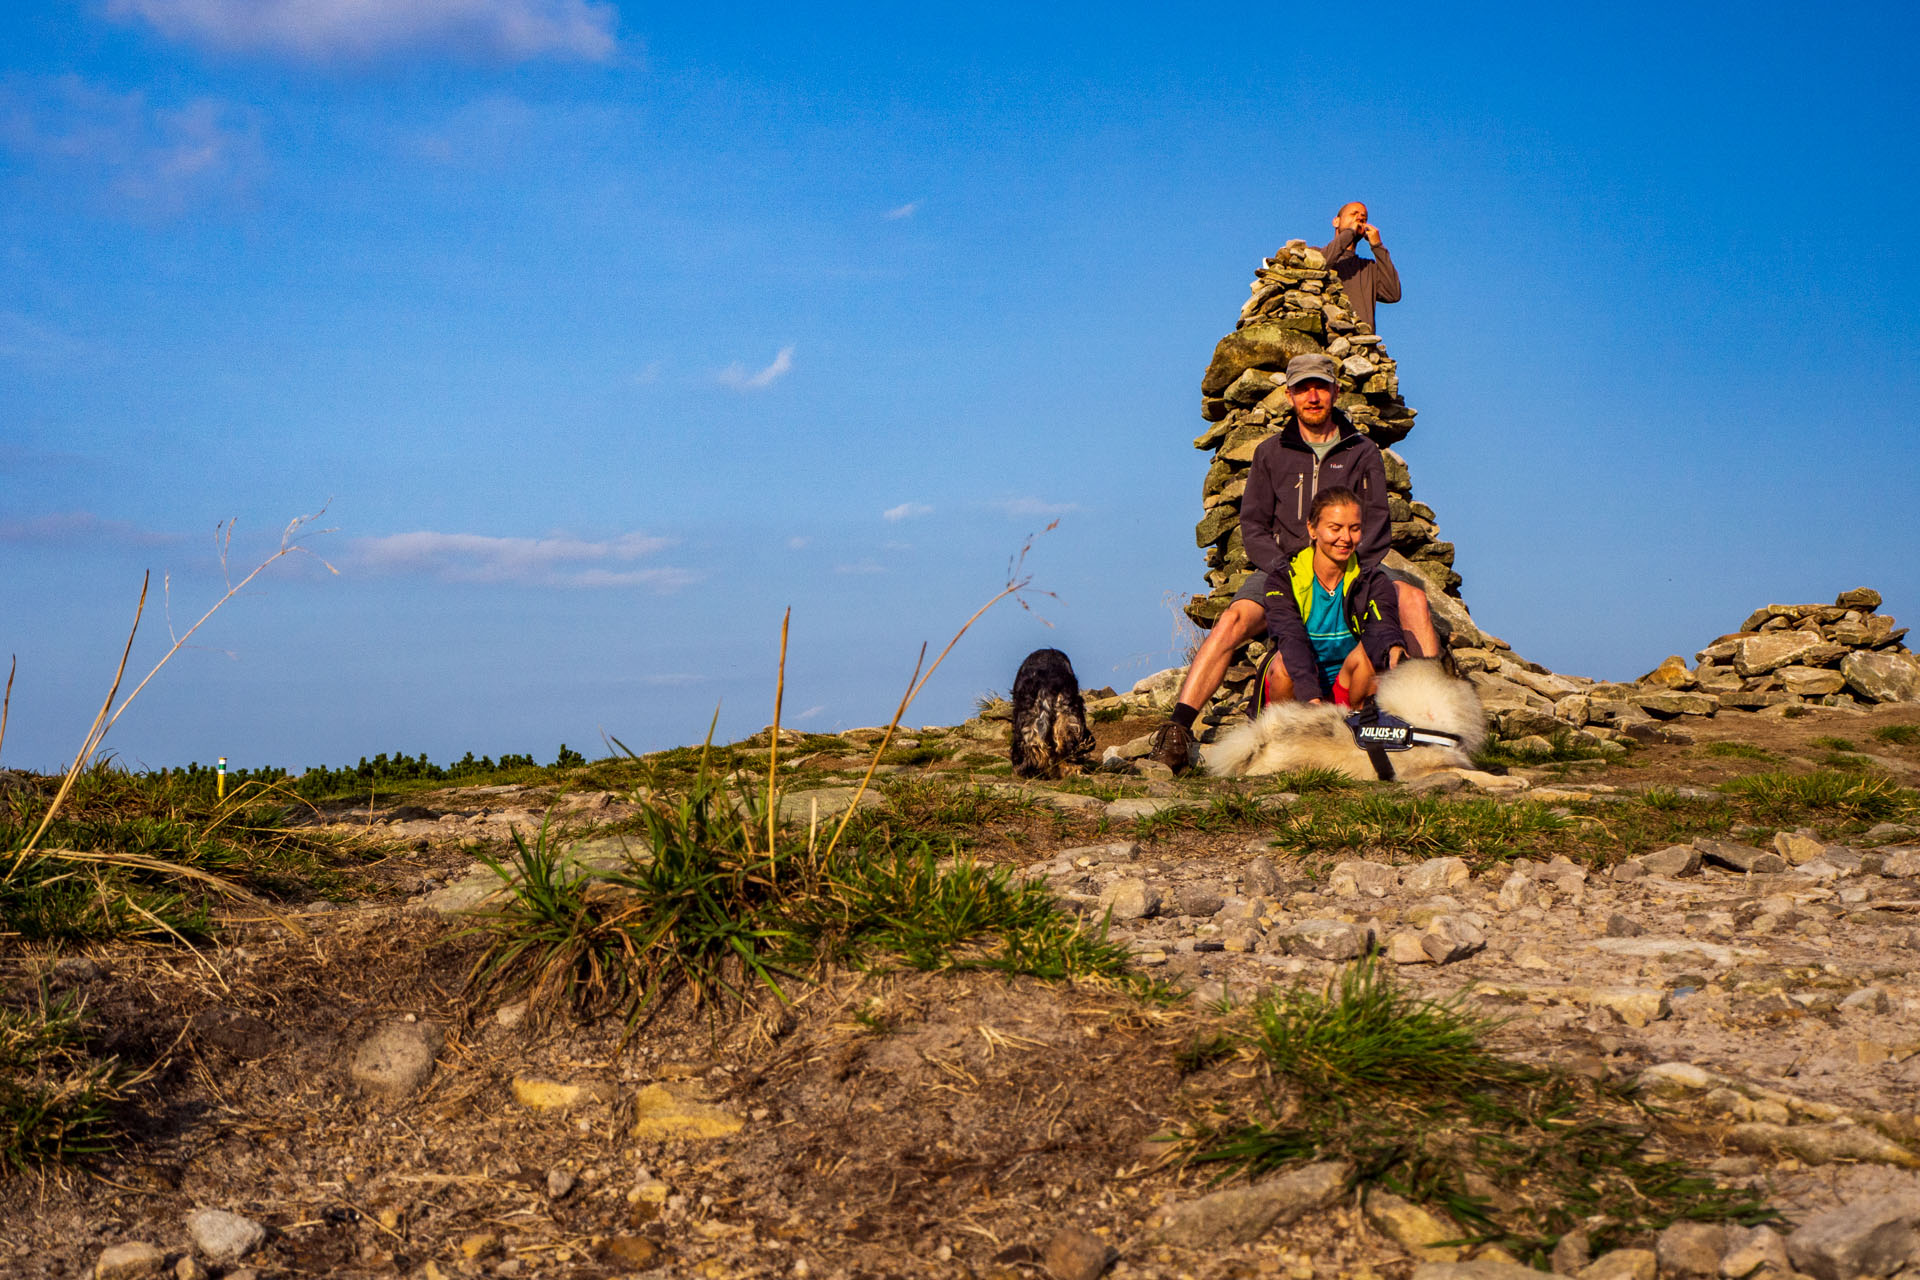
x: 1312, y: 368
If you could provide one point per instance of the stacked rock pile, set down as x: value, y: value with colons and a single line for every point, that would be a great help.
x: 1297, y: 308
x: 1842, y: 654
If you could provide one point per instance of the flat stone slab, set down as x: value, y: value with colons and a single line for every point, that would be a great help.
x: 1145, y: 807
x: 1682, y: 949
x: 801, y: 807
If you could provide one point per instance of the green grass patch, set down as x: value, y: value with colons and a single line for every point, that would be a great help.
x: 715, y: 912
x: 57, y: 1100
x: 1904, y: 735
x: 1836, y: 744
x: 71, y: 888
x: 1736, y: 751
x: 1561, y: 748
x: 1784, y: 797
x: 1480, y: 829
x: 1405, y: 1089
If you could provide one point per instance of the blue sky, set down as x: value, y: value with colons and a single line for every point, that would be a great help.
x: 604, y: 333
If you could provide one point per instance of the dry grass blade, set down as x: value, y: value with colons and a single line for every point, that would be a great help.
x: 773, y: 740
x: 6, y: 703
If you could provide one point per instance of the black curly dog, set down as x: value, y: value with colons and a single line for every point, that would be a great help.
x: 1050, y: 731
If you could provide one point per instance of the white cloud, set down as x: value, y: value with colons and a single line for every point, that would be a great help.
x: 906, y: 210
x: 1026, y: 507
x: 355, y: 30
x: 66, y: 528
x: 556, y: 561
x: 906, y: 511
x: 797, y: 543
x: 157, y: 159
x: 812, y: 712
x: 862, y: 568
x: 736, y: 376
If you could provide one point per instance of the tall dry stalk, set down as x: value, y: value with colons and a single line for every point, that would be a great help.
x: 109, y: 714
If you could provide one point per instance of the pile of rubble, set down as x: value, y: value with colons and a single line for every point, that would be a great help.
x: 1783, y: 656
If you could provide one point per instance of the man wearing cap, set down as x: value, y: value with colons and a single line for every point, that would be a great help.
x: 1319, y: 449
x: 1366, y: 280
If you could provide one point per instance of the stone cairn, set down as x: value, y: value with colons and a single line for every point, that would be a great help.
x: 1784, y: 656
x: 1298, y: 307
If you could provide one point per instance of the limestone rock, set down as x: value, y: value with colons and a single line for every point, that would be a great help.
x: 1875, y: 1237
x: 1739, y: 857
x: 1327, y: 940
x: 1756, y: 655
x: 1622, y: 1264
x: 537, y: 1093
x: 1821, y: 1144
x: 659, y: 1112
x: 1637, y: 1006
x: 1883, y: 677
x: 1436, y: 875
x: 396, y: 1059
x: 1674, y: 860
x: 1358, y: 878
x: 129, y: 1260
x: 1752, y: 1250
x: 1691, y: 1249
x: 1074, y: 1254
x: 1413, y: 1228
x: 1477, y: 1269
x: 1451, y: 938
x: 1130, y: 898
x: 1241, y: 1215
x: 224, y: 1237
x: 821, y: 803
x: 1672, y: 673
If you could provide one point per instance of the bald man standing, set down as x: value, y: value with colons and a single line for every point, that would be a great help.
x: 1366, y: 280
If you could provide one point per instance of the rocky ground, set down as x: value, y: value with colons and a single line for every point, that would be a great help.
x: 327, y: 1097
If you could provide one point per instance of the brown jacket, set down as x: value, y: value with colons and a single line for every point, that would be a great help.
x: 1366, y: 281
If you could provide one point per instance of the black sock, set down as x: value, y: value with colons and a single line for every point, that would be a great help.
x: 1183, y: 714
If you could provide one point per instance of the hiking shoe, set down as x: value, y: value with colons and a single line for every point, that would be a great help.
x: 1172, y: 746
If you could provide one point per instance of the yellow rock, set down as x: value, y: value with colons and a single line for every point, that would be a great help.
x: 1412, y: 1227
x: 657, y: 1113
x: 481, y: 1244
x: 539, y: 1094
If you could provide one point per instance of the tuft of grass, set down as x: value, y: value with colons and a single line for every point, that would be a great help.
x: 710, y: 910
x: 1308, y: 781
x: 1561, y: 749
x: 1405, y: 1089
x: 57, y: 1101
x: 1905, y: 735
x: 1736, y: 751
x: 1479, y: 829
x: 1835, y: 744
x: 1780, y: 796
x: 1107, y: 715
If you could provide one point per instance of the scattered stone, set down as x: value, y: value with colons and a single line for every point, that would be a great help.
x: 658, y: 1113
x: 1130, y: 898
x: 1624, y: 926
x: 1866, y: 1000
x: 1739, y: 857
x: 1451, y: 938
x: 1875, y: 1237
x: 129, y: 1260
x: 1262, y: 878
x: 190, y: 1268
x: 1883, y: 676
x: 1572, y: 1253
x: 224, y: 1237
x: 1622, y: 1264
x: 1241, y: 1215
x: 1327, y: 940
x: 1354, y: 879
x: 1115, y: 851
x: 396, y: 1059
x: 1821, y: 1144
x: 1413, y: 1228
x: 1074, y: 1254
x: 635, y: 1253
x: 1516, y: 891
x: 479, y: 1244
x: 537, y: 1093
x: 1751, y: 1251
x: 1144, y: 807
x: 560, y: 1183
x: 1675, y: 860
x: 1637, y: 1006
x: 1482, y: 1268
x: 1691, y: 1249
x: 1198, y: 899
x: 1796, y: 847
x: 1436, y: 875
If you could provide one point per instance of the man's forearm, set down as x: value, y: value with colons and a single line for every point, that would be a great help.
x: 1386, y: 277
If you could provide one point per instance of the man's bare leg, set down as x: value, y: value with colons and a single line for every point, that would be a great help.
x: 1243, y: 620
x: 1416, y: 621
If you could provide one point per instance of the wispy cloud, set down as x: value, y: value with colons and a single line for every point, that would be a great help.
x: 861, y: 567
x: 812, y: 712
x: 906, y: 511
x: 556, y: 561
x: 1030, y: 507
x: 355, y: 30
x: 674, y: 679
x: 906, y: 210
x: 798, y: 543
x: 156, y: 159
x: 68, y: 528
x: 736, y: 376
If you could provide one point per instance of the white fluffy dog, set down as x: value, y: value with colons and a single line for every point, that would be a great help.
x: 1301, y: 735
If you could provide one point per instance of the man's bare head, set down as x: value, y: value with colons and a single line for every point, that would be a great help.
x: 1352, y: 216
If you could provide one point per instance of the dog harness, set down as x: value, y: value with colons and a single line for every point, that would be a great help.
x: 1376, y: 733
